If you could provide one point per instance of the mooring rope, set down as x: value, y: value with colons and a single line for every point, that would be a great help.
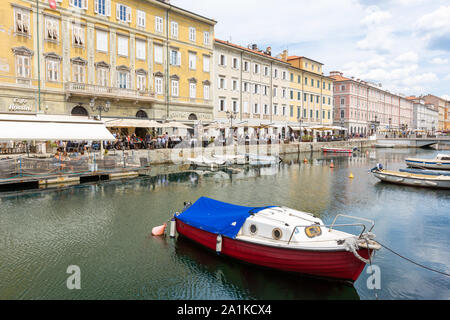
x: 418, y: 264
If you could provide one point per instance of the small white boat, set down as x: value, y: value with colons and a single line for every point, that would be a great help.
x: 411, y: 179
x: 278, y: 238
x: 231, y: 159
x: 339, y: 150
x: 260, y: 160
x: 440, y: 162
x: 202, y: 161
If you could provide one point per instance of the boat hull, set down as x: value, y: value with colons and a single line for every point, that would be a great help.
x: 414, y: 181
x: 428, y: 164
x: 337, y: 150
x: 338, y: 265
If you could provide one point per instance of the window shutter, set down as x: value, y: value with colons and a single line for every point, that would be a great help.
x: 96, y: 6
x: 117, y: 11
x: 71, y: 2
x: 128, y: 14
x: 108, y: 7
x: 179, y: 58
x: 84, y: 4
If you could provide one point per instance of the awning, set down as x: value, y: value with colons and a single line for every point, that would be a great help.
x: 46, y: 127
x: 132, y: 123
x: 174, y: 124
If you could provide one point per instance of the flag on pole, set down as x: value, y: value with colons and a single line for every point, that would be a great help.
x: 52, y: 4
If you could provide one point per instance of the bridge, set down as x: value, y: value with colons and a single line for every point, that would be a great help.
x: 415, y: 142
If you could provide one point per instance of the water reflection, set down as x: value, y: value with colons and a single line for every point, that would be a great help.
x: 105, y: 228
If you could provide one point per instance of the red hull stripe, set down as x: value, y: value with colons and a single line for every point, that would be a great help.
x: 340, y: 265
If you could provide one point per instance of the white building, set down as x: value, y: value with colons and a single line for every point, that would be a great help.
x: 251, y: 89
x: 425, y: 116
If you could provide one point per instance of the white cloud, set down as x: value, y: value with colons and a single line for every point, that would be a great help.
x: 375, y: 16
x: 445, y: 97
x: 409, y: 56
x: 439, y: 61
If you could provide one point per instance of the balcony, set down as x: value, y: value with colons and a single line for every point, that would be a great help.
x: 90, y: 90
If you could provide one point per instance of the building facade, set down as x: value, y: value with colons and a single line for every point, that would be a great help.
x: 143, y: 58
x: 440, y: 105
x: 363, y: 107
x: 425, y: 116
x: 251, y: 88
x: 311, y: 92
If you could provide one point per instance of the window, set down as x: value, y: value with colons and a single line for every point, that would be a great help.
x: 222, y: 83
x: 51, y: 29
x: 78, y: 73
x: 275, y: 91
x: 158, y: 54
x: 122, y: 46
x: 275, y: 73
x: 306, y: 81
x: 23, y: 69
x: 318, y: 83
x: 81, y: 4
x: 102, y: 41
x: 291, y: 92
x: 222, y: 105
x: 22, y: 21
x: 123, y: 13
x: 141, y: 19
x: 192, y: 34
x: 77, y: 36
x: 52, y: 70
x: 206, y: 38
x: 206, y: 63
x: 192, y: 60
x: 291, y: 111
x: 299, y: 79
x: 283, y: 93
x: 102, y: 7
x: 305, y: 97
x: 266, y: 71
x: 192, y: 90
x: 235, y: 85
x: 235, y: 63
x: 342, y: 101
x: 159, y: 24
x: 284, y: 110
x: 223, y: 60
x: 292, y: 77
x: 284, y: 76
x: 342, y: 114
x: 140, y: 50
x: 246, y: 66
x: 245, y: 87
x: 123, y: 80
x: 159, y: 85
x: 175, y: 85
x: 206, y: 92
x: 235, y: 106
x: 275, y: 107
x: 256, y: 68
x: 141, y: 82
x: 175, y: 57
x: 174, y: 29
x: 342, y: 88
x: 266, y: 109
x: 103, y: 77
x: 256, y: 108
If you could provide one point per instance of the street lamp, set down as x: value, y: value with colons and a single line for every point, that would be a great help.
x: 300, y: 121
x: 100, y: 108
x: 231, y: 116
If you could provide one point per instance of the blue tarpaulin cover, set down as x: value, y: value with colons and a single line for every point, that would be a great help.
x: 217, y: 217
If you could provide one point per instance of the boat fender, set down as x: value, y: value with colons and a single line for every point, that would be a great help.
x: 172, y: 232
x: 219, y: 244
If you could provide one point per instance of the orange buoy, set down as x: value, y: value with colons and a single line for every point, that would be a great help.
x: 305, y: 160
x: 159, y: 231
x: 332, y: 164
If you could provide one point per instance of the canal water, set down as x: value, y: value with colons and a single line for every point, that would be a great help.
x: 105, y: 230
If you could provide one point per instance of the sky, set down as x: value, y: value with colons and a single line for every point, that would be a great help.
x: 402, y: 44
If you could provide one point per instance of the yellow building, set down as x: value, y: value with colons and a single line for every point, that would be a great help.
x: 144, y: 58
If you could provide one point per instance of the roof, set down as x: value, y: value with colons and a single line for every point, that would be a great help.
x: 339, y: 78
x: 249, y: 50
x: 302, y: 57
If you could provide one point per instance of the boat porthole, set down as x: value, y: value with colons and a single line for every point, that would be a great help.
x: 253, y: 229
x: 276, y: 234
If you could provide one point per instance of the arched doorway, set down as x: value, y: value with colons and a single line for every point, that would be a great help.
x: 79, y: 111
x: 192, y: 117
x: 141, y: 132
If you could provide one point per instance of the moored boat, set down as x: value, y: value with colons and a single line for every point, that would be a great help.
x: 384, y: 145
x: 262, y: 160
x: 338, y: 150
x: 440, y: 162
x: 278, y: 238
x: 202, y: 161
x: 411, y: 179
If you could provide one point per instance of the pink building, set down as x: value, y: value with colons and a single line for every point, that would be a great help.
x: 364, y: 107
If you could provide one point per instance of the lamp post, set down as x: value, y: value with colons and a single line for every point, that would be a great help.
x: 231, y: 116
x: 100, y: 108
x: 300, y: 121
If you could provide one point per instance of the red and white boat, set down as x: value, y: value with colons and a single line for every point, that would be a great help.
x: 278, y: 238
x: 339, y: 150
